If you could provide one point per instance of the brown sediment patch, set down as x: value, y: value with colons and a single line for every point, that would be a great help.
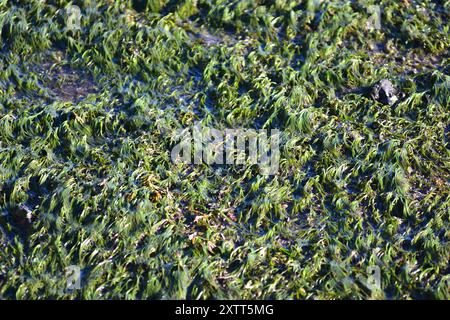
x: 204, y: 37
x: 64, y: 82
x: 412, y: 61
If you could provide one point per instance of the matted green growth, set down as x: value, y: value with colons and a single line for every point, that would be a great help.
x: 86, y: 179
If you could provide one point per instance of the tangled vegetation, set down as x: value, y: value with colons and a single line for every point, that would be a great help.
x: 86, y: 177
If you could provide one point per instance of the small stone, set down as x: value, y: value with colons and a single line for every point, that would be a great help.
x: 384, y: 92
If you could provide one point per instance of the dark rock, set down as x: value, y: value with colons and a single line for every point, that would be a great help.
x: 384, y: 92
